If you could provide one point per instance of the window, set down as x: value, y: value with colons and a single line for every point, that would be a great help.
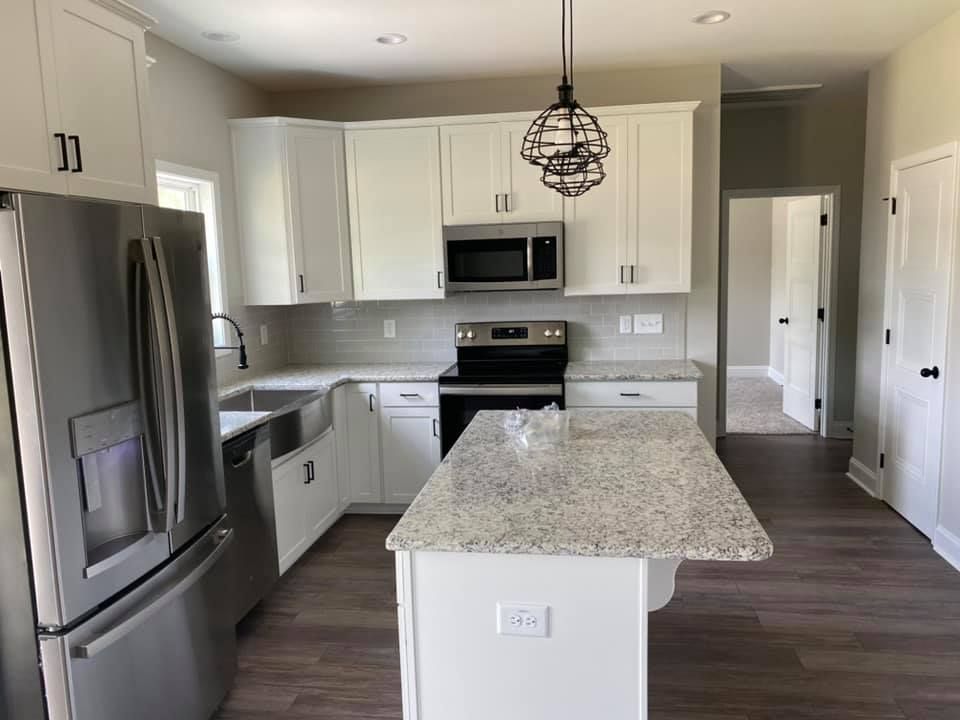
x: 186, y: 188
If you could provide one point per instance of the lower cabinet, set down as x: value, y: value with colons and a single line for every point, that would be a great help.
x: 305, y: 497
x: 410, y: 441
x: 677, y: 395
x: 359, y: 447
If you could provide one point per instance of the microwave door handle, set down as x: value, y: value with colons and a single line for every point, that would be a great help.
x: 165, y: 380
x: 530, y: 273
x: 176, y: 369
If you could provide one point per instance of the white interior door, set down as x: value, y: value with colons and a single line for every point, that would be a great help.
x: 918, y: 277
x: 802, y: 330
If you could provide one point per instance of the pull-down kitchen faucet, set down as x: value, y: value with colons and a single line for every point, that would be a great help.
x: 242, y: 365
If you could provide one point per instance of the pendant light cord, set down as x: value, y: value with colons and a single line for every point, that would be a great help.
x: 571, y: 42
x: 563, y: 37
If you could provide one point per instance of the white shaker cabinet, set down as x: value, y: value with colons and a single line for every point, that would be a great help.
x: 396, y: 221
x: 486, y: 181
x: 292, y: 200
x: 633, y: 233
x: 359, y: 445
x: 78, y: 80
x: 676, y: 395
x: 410, y: 438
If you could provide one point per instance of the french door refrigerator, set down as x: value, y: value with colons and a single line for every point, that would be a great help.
x: 112, y: 501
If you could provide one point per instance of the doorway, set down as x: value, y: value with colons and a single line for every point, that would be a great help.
x: 777, y: 294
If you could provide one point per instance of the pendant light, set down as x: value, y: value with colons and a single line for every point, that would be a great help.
x: 566, y: 140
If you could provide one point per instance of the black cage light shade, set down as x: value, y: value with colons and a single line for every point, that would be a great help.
x: 572, y: 175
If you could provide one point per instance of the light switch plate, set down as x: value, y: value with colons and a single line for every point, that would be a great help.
x: 651, y: 324
x: 523, y: 619
x: 389, y: 328
x: 264, y: 335
x: 626, y: 324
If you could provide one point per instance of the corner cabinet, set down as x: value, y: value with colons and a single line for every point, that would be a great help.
x: 633, y: 233
x: 486, y: 181
x: 78, y: 79
x: 396, y: 223
x: 292, y: 200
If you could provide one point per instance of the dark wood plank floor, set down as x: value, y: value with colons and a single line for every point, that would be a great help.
x: 855, y: 617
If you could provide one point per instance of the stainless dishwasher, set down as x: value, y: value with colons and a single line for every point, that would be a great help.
x: 249, y: 481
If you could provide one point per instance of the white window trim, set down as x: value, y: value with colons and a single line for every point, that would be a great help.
x: 221, y: 334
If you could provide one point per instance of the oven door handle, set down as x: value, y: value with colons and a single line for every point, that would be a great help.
x: 479, y: 390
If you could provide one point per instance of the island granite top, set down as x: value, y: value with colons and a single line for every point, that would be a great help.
x: 635, y: 484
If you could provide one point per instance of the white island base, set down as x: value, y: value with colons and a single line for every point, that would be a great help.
x: 592, y: 663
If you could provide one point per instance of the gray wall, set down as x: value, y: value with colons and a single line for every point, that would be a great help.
x: 191, y: 101
x: 817, y: 142
x: 701, y: 82
x: 748, y: 300
x: 914, y: 105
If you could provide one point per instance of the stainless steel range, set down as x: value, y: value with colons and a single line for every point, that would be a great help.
x: 501, y: 366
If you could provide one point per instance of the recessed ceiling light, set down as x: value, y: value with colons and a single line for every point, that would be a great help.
x: 712, y: 17
x: 392, y: 39
x: 221, y: 37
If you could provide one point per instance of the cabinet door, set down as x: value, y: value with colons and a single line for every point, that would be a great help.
x: 318, y: 207
x: 101, y: 79
x: 660, y: 191
x: 363, y: 443
x: 396, y: 223
x: 411, y: 450
x: 528, y: 199
x: 29, y: 153
x: 595, y: 233
x: 321, y: 496
x: 289, y: 485
x: 472, y: 178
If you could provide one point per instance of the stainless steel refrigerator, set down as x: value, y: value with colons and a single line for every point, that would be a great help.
x: 112, y: 502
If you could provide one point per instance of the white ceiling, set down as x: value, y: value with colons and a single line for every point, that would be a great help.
x: 301, y: 44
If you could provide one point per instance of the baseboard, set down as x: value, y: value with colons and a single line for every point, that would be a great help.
x: 864, y: 477
x: 776, y: 376
x: 375, y: 509
x: 947, y: 546
x: 747, y: 371
x: 840, y: 430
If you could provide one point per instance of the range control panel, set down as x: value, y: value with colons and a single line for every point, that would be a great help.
x: 494, y: 334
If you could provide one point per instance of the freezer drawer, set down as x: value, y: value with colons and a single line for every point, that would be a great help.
x: 166, y: 650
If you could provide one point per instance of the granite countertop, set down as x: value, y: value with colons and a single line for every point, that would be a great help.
x: 632, y: 370
x: 625, y: 484
x: 233, y: 424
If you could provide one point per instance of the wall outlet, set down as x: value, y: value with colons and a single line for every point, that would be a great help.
x: 264, y: 335
x: 389, y: 328
x: 626, y: 324
x: 525, y: 620
x: 648, y: 324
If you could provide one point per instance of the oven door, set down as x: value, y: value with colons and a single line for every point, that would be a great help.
x: 459, y: 403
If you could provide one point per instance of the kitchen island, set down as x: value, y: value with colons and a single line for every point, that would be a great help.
x: 525, y: 576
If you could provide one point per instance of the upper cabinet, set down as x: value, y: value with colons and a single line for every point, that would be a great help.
x: 633, y: 233
x: 292, y: 203
x: 80, y: 92
x: 486, y: 181
x: 393, y: 177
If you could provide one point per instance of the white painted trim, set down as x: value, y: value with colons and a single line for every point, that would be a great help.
x: 864, y: 477
x: 410, y: 696
x: 748, y: 371
x: 129, y: 12
x: 776, y: 376
x: 280, y: 121
x: 840, y: 429
x: 947, y: 546
x: 643, y: 643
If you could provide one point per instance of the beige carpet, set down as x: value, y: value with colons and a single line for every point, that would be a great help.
x: 755, y: 407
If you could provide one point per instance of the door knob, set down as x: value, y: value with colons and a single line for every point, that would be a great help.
x: 933, y: 372
x: 784, y: 321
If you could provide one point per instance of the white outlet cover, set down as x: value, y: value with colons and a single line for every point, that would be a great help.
x: 651, y: 324
x: 626, y: 324
x: 389, y: 328
x: 523, y: 619
x: 264, y: 335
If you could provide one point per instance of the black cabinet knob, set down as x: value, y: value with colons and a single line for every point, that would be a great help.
x: 784, y: 321
x: 933, y: 372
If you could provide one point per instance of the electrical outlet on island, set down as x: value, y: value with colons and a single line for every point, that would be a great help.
x: 389, y: 328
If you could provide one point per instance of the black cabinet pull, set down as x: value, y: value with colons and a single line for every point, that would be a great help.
x: 436, y: 434
x: 313, y: 471
x: 496, y: 202
x: 633, y: 269
x: 302, y: 286
x: 371, y: 402
x: 409, y: 395
x: 506, y: 202
x: 784, y: 321
x: 306, y: 470
x: 75, y: 139
x: 621, y: 274
x: 629, y: 394
x: 64, y: 165
x: 439, y: 279
x: 933, y: 372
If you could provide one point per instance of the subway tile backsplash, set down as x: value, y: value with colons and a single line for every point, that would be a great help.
x: 353, y: 331
x: 261, y: 358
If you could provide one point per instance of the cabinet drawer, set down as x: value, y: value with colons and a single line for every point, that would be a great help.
x: 632, y: 394
x: 409, y: 395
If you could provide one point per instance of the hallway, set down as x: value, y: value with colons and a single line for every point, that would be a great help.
x: 855, y: 616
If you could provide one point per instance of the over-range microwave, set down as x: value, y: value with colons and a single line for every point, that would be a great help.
x: 513, y: 256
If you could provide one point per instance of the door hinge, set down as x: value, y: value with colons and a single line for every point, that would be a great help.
x: 887, y: 337
x: 893, y: 206
x: 883, y: 458
x: 821, y: 314
x: 818, y: 404
x: 824, y: 220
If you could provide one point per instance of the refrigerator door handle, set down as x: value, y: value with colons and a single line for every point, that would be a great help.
x: 151, y: 450
x: 180, y: 439
x: 119, y: 631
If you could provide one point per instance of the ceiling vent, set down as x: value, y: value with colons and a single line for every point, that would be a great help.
x: 770, y: 94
